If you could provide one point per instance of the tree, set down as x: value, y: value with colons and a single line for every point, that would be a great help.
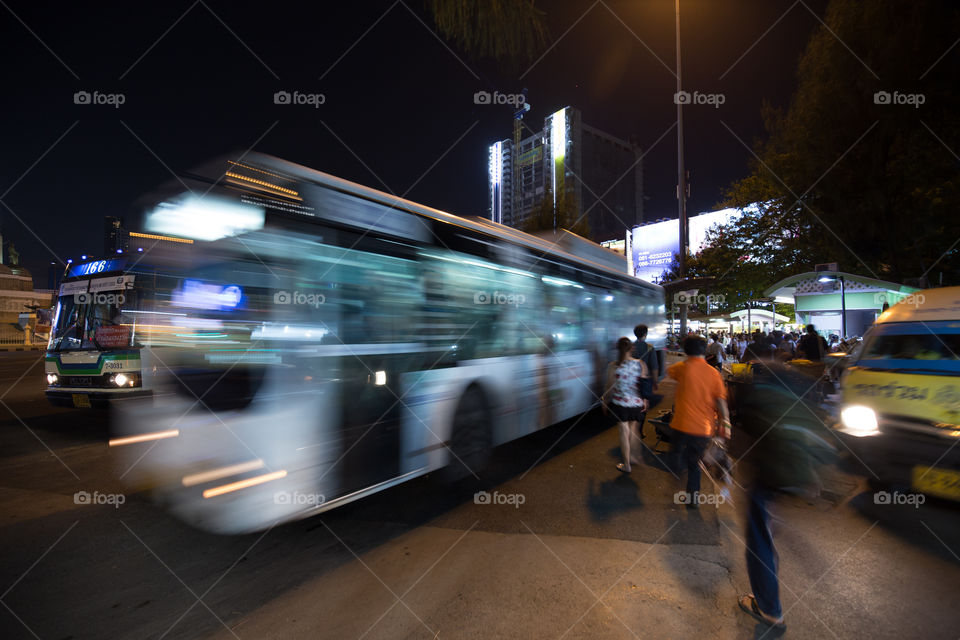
x: 847, y: 174
x: 509, y: 31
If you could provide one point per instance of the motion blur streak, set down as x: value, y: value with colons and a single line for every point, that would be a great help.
x: 222, y: 472
x: 145, y: 437
x: 243, y: 484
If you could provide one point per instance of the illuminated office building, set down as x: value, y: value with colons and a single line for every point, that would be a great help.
x: 602, y: 172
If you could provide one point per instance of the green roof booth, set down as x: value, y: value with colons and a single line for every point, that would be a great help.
x: 836, y: 302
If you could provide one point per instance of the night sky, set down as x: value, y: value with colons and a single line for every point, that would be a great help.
x: 198, y: 80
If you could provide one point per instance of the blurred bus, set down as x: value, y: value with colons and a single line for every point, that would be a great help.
x: 322, y: 341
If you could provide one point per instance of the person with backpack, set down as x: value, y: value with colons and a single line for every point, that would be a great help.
x: 789, y: 444
x: 628, y: 384
x: 649, y: 354
x: 715, y: 352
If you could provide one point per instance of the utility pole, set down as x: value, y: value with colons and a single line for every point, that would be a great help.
x: 681, y: 183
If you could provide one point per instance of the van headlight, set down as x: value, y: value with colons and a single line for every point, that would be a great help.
x: 53, y: 379
x: 859, y: 421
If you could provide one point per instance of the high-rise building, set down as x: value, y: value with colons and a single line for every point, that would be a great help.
x: 113, y: 235
x: 604, y: 174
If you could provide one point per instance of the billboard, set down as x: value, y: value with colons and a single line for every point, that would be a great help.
x: 654, y: 245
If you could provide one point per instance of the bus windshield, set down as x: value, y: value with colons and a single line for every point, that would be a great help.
x: 99, y: 321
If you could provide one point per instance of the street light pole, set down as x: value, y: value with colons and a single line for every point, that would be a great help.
x: 843, y: 310
x: 681, y: 181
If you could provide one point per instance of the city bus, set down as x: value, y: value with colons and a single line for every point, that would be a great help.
x: 93, y: 354
x: 322, y: 341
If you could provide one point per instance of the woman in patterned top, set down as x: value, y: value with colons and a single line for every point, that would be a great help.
x: 622, y: 398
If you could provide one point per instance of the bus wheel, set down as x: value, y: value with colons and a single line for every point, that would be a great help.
x: 471, y: 442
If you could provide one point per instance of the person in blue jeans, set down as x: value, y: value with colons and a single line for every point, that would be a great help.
x: 789, y: 443
x: 764, y: 603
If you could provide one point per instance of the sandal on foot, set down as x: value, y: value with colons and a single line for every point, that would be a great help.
x: 749, y: 604
x: 622, y: 468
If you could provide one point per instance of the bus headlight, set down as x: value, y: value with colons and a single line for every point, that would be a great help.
x: 859, y: 421
x: 125, y: 379
x: 53, y: 379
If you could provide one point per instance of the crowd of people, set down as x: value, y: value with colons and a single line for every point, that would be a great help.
x: 769, y: 410
x: 725, y: 347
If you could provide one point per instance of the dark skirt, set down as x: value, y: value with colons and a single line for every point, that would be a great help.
x: 626, y: 414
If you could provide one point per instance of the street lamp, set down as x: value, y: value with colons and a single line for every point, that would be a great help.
x: 681, y: 180
x: 843, y: 302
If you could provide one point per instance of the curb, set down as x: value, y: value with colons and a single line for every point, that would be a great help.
x: 4, y: 348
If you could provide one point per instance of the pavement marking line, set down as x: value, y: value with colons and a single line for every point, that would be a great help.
x: 629, y: 569
x: 173, y: 573
x: 575, y: 575
x: 224, y: 575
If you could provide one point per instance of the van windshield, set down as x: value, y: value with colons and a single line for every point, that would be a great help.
x: 925, y: 346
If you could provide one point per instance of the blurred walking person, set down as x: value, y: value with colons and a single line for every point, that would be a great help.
x: 699, y: 405
x: 628, y: 381
x: 790, y: 442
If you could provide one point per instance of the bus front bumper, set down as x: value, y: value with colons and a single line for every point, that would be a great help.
x: 91, y: 399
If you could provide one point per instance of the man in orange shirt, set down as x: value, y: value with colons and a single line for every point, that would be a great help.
x: 700, y: 399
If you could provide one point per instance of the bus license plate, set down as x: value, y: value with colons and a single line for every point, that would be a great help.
x: 81, y: 400
x: 937, y: 482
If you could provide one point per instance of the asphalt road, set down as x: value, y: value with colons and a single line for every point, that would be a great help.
x: 590, y: 552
